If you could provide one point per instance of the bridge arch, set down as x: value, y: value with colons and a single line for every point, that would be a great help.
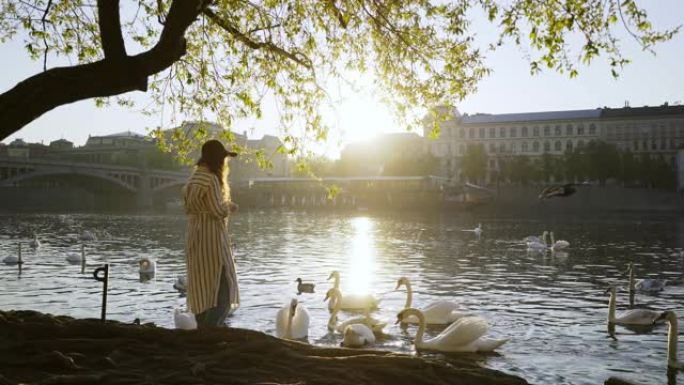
x: 81, y: 172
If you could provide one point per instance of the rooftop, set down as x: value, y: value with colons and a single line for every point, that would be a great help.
x: 531, y: 116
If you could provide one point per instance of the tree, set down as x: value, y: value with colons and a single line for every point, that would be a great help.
x: 222, y: 57
x: 603, y: 159
x: 474, y: 163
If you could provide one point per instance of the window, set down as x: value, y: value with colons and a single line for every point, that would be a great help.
x: 461, y: 133
x: 482, y: 132
x: 502, y: 147
x: 547, y: 146
x: 558, y: 146
x: 644, y: 145
x: 580, y: 130
x: 513, y: 147
x: 654, y: 145
x: 663, y: 143
x: 568, y: 129
x: 568, y: 145
x: 535, y: 131
x: 524, y: 147
x: 492, y: 132
x: 592, y: 129
x: 547, y: 131
x: 535, y: 146
x: 580, y: 144
x: 636, y: 145
x: 471, y: 133
x: 525, y: 133
x: 502, y: 132
x: 492, y: 163
x: 492, y: 148
x: 514, y: 132
x: 557, y: 130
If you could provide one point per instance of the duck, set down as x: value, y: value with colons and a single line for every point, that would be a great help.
x: 34, y: 243
x: 646, y: 285
x: 184, y: 320
x: 147, y: 266
x: 671, y: 318
x: 87, y: 236
x: 435, y: 313
x: 334, y: 295
x: 644, y: 317
x: 354, y: 302
x: 14, y: 259
x: 477, y: 230
x: 304, y: 287
x: 357, y: 336
x: 292, y: 321
x: 465, y: 335
x: 181, y: 284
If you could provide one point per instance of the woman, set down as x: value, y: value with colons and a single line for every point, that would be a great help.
x: 212, y: 281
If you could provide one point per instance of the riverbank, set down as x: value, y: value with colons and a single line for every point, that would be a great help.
x: 38, y: 348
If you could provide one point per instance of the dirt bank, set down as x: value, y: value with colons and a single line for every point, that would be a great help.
x: 37, y: 348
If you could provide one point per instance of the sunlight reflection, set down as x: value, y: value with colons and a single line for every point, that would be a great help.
x: 361, y: 271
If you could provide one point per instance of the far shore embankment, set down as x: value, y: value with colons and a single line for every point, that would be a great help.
x: 38, y: 348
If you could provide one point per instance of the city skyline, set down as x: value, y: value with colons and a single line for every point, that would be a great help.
x: 509, y: 89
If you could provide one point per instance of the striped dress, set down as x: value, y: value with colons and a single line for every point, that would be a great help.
x: 207, y: 247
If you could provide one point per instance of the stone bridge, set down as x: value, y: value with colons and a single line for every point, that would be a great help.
x: 143, y: 183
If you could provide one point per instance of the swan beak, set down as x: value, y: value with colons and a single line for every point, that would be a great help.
x: 326, y: 298
x: 608, y: 290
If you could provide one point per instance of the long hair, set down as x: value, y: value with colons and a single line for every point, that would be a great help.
x: 219, y: 167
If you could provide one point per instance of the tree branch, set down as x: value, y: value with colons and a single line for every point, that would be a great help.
x: 43, y: 20
x: 40, y: 93
x: 257, y: 45
x: 109, y: 21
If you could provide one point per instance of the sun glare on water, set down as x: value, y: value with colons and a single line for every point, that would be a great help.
x: 361, y: 271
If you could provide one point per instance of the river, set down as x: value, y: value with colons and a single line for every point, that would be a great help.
x: 553, y: 307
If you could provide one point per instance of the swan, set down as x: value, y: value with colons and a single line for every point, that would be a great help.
x: 357, y: 335
x: 334, y: 295
x: 534, y: 238
x: 292, y: 321
x: 557, y: 245
x: 352, y: 301
x: 34, y: 243
x: 304, y: 287
x: 14, y: 259
x: 629, y: 317
x: 671, y: 318
x: 464, y: 335
x: 536, y: 243
x: 76, y: 258
x: 435, y: 313
x: 647, y: 285
x: 87, y: 235
x: 147, y: 266
x: 477, y: 230
x: 184, y: 320
x: 181, y: 284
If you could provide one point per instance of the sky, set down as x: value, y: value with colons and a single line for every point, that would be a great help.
x: 648, y: 80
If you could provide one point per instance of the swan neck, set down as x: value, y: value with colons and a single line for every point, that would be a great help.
x: 421, y: 329
x: 553, y: 241
x: 336, y: 285
x: 288, y: 326
x: 632, y: 284
x: 409, y: 295
x: 332, y: 322
x: 672, y: 340
x: 611, y: 307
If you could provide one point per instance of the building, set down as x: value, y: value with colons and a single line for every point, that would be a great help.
x: 61, y: 145
x: 653, y: 131
x: 387, y: 154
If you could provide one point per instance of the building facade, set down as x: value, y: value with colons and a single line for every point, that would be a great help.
x: 652, y: 131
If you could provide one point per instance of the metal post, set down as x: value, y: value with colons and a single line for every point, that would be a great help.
x: 83, y: 258
x: 104, y: 281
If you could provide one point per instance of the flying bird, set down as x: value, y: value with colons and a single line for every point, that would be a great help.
x: 557, y: 191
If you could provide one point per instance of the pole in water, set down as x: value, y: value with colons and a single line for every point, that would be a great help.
x: 19, y: 260
x: 83, y: 258
x: 104, y: 279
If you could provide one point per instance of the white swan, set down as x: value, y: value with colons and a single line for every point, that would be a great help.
x: 183, y: 320
x: 357, y: 335
x: 557, y: 245
x: 477, y: 230
x: 629, y: 317
x: 76, y: 258
x: 535, y: 239
x: 292, y: 321
x: 34, y: 243
x: 147, y: 266
x: 671, y: 318
x: 646, y: 285
x: 352, y: 301
x: 435, y: 313
x: 464, y: 335
x: 14, y: 259
x: 536, y: 243
x: 87, y: 235
x: 334, y: 295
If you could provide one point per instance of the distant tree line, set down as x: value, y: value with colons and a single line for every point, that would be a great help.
x: 597, y: 161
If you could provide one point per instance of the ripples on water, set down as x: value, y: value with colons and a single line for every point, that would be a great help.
x: 552, y: 306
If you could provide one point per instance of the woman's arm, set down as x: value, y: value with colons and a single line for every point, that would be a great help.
x: 217, y: 204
